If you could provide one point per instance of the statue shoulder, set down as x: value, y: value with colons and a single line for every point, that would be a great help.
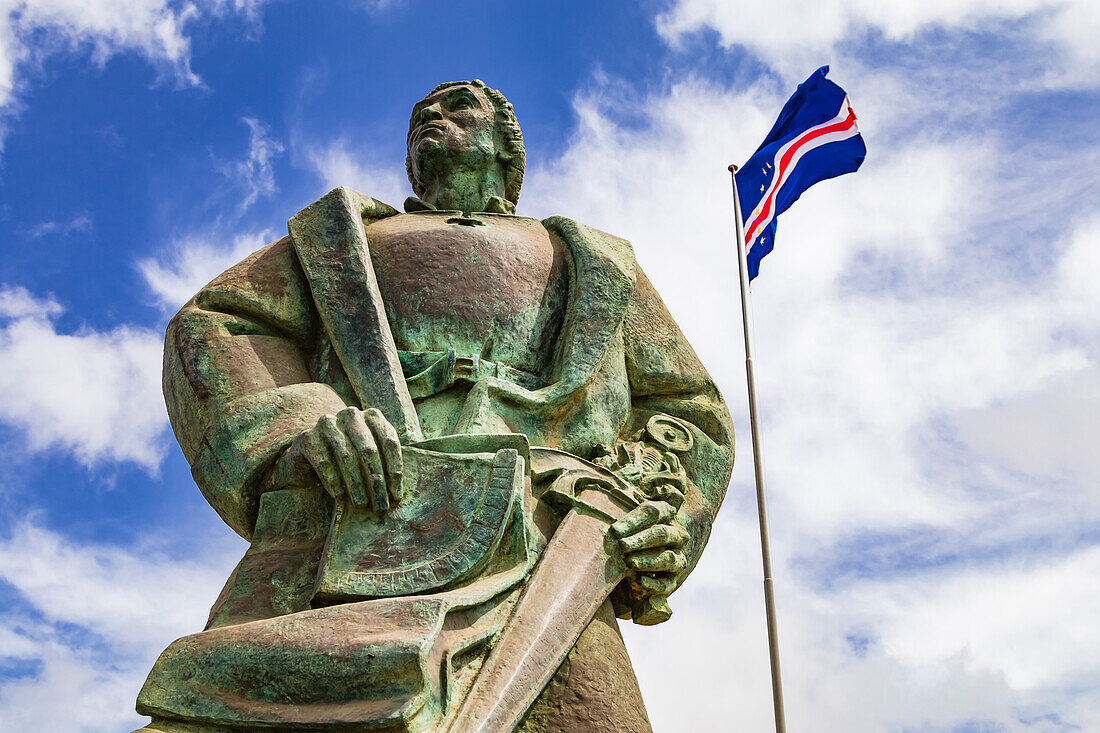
x: 592, y: 247
x: 268, y: 285
x: 268, y: 270
x: 337, y: 202
x: 567, y: 227
x: 372, y: 209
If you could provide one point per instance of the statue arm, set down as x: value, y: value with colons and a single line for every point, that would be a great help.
x: 236, y: 378
x: 666, y: 377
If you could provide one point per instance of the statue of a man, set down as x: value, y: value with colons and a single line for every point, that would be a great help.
x: 407, y: 414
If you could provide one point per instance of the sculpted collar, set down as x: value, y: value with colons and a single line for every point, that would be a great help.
x: 496, y: 205
x: 332, y: 248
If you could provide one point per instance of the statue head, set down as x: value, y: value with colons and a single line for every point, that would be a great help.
x: 464, y: 124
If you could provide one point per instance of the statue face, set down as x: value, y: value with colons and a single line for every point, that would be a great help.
x: 455, y: 126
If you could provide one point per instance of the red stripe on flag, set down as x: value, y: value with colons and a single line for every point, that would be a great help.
x: 781, y: 169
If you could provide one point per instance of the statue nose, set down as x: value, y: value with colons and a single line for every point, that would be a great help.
x: 429, y: 113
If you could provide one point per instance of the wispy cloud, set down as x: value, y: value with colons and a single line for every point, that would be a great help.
x: 255, y: 175
x: 379, y: 6
x: 339, y: 163
x: 93, y: 393
x: 82, y: 223
x: 191, y: 262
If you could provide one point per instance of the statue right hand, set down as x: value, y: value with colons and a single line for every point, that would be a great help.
x: 356, y: 456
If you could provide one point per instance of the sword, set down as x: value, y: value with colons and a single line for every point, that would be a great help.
x: 576, y: 573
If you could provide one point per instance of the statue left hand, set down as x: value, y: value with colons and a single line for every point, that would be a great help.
x: 652, y: 545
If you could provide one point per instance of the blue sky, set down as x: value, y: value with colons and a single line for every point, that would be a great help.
x: 926, y: 329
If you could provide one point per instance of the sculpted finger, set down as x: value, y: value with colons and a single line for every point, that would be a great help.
x: 675, y: 479
x: 294, y: 469
x: 660, y: 535
x: 657, y: 561
x: 362, y: 440
x: 389, y: 445
x: 645, y: 515
x: 670, y: 493
x: 347, y: 462
x: 660, y: 584
x: 317, y: 454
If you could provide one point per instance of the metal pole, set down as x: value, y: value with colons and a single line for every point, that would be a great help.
x: 758, y: 468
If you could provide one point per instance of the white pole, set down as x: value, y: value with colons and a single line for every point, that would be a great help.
x: 758, y: 468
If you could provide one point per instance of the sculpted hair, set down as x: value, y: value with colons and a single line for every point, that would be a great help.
x: 513, y: 156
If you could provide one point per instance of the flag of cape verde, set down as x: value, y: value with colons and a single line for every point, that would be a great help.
x: 815, y: 138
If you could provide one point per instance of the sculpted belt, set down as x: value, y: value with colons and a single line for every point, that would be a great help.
x: 430, y: 372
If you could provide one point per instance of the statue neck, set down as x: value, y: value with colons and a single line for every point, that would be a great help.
x: 466, y: 190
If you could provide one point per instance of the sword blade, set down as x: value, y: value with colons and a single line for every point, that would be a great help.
x: 575, y: 575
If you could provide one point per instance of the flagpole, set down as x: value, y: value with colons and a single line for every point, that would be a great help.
x: 758, y: 468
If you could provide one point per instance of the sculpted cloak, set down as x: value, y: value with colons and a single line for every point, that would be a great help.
x: 294, y: 332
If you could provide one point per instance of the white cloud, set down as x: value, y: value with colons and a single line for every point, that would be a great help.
x: 98, y: 616
x: 19, y: 303
x: 255, y: 174
x: 1048, y: 430
x: 94, y: 393
x: 136, y: 598
x: 1031, y: 622
x: 72, y: 690
x: 338, y: 164
x: 793, y: 36
x: 193, y: 262
x: 1079, y: 273
x: 1048, y: 433
x: 893, y: 327
x: 158, y: 30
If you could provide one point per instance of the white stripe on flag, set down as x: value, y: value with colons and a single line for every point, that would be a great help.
x: 781, y: 175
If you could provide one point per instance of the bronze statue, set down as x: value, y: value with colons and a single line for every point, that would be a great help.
x: 460, y: 442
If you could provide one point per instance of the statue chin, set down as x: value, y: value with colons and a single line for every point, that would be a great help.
x: 428, y: 158
x: 444, y: 160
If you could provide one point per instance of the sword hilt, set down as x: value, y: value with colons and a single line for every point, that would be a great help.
x: 650, y: 610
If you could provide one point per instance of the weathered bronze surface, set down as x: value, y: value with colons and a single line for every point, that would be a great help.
x: 460, y: 442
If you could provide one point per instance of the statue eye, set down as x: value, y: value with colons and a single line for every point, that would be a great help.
x: 463, y: 102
